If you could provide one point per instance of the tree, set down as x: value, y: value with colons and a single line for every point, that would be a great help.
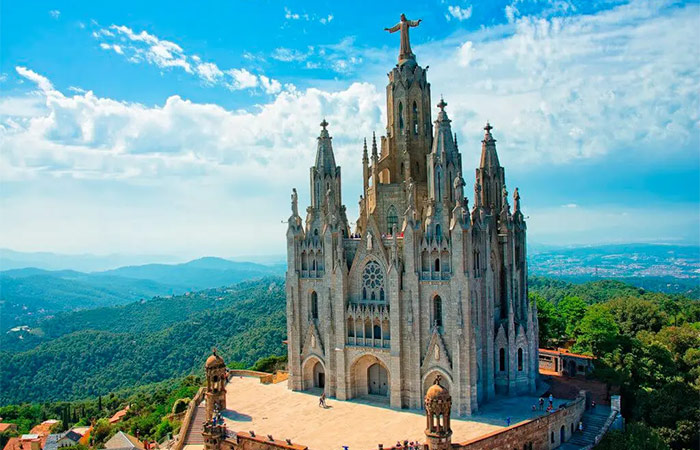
x: 637, y: 436
x: 550, y: 323
x: 572, y: 310
x: 597, y: 331
x: 635, y: 314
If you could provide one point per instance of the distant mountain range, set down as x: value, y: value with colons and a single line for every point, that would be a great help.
x: 29, y: 294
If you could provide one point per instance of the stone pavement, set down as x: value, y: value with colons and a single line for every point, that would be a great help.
x: 359, y: 424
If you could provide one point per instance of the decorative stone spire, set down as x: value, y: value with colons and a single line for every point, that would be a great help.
x: 325, y: 160
x: 374, y: 146
x: 489, y: 157
x: 364, y: 151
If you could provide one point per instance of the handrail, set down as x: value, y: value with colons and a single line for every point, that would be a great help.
x: 606, y: 427
x: 187, y: 420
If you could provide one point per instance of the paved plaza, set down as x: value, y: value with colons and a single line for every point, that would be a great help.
x: 359, y: 424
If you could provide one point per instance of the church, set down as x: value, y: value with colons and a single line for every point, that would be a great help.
x: 423, y: 286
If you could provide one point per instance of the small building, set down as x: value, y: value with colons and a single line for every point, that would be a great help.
x: 118, y: 416
x: 123, y: 441
x: 11, y: 427
x: 561, y: 362
x: 44, y: 428
x: 26, y: 442
x: 68, y: 438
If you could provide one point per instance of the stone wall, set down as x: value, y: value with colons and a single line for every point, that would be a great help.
x: 542, y: 433
x: 248, y: 441
x: 186, y: 422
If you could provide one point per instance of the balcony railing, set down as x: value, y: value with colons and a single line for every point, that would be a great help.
x: 434, y: 276
x: 367, y: 342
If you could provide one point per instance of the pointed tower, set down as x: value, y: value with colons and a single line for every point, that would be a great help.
x: 490, y: 174
x: 444, y: 164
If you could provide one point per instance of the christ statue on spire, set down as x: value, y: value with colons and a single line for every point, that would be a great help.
x: 403, y: 26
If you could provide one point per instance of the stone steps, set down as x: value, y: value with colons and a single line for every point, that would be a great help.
x: 593, y: 422
x: 194, y: 433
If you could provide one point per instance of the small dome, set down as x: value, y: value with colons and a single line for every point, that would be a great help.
x: 437, y: 392
x: 214, y: 360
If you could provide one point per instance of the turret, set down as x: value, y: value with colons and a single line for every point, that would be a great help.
x: 490, y: 174
x: 438, y: 405
x: 215, y: 396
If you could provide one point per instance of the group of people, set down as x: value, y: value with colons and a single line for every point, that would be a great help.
x: 408, y: 445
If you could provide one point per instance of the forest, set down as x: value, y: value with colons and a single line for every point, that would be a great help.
x: 648, y: 343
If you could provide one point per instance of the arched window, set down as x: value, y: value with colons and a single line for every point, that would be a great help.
x: 437, y: 265
x: 520, y: 360
x: 351, y: 327
x: 391, y: 219
x: 502, y: 360
x: 401, y: 117
x: 386, y: 332
x: 377, y: 331
x: 439, y: 186
x: 304, y: 261
x: 477, y: 264
x: 437, y: 311
x: 438, y: 231
x: 314, y: 305
x: 552, y: 438
x: 373, y: 282
x: 415, y: 118
x: 368, y: 329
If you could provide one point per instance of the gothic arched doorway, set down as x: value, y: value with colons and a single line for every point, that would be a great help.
x: 319, y: 376
x: 370, y: 376
x: 377, y: 380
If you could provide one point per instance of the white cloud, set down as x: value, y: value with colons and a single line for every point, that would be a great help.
x: 288, y: 55
x: 290, y: 15
x: 578, y: 87
x: 42, y: 82
x: 465, y: 54
x: 459, y: 13
x: 327, y: 19
x: 55, y: 13
x: 570, y: 205
x: 209, y: 72
x: 145, y: 47
x: 242, y: 79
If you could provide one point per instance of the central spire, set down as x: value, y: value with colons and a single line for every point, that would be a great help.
x: 405, y: 54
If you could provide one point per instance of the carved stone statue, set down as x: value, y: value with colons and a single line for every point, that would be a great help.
x: 403, y: 26
x: 411, y: 190
x: 459, y: 190
x: 295, y: 203
x: 369, y: 241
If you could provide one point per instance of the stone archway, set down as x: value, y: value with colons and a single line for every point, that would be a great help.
x: 370, y: 376
x: 313, y: 372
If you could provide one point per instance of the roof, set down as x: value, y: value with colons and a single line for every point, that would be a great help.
x: 437, y: 392
x: 71, y: 435
x: 7, y: 426
x: 118, y: 415
x: 16, y: 443
x: 44, y: 428
x: 564, y: 352
x: 52, y: 442
x: 214, y: 361
x: 81, y: 430
x: 122, y: 440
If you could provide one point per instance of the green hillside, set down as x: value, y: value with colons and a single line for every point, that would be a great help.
x: 146, y: 342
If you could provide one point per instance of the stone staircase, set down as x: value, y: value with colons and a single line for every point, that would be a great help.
x: 593, y: 421
x: 194, y: 432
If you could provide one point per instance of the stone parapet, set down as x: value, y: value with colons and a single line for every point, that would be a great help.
x: 536, y: 434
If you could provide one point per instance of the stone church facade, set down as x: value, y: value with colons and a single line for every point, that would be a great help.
x: 423, y: 286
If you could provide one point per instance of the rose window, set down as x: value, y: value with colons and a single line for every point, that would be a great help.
x: 373, y: 282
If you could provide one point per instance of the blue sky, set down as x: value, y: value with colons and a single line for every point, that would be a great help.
x: 168, y: 128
